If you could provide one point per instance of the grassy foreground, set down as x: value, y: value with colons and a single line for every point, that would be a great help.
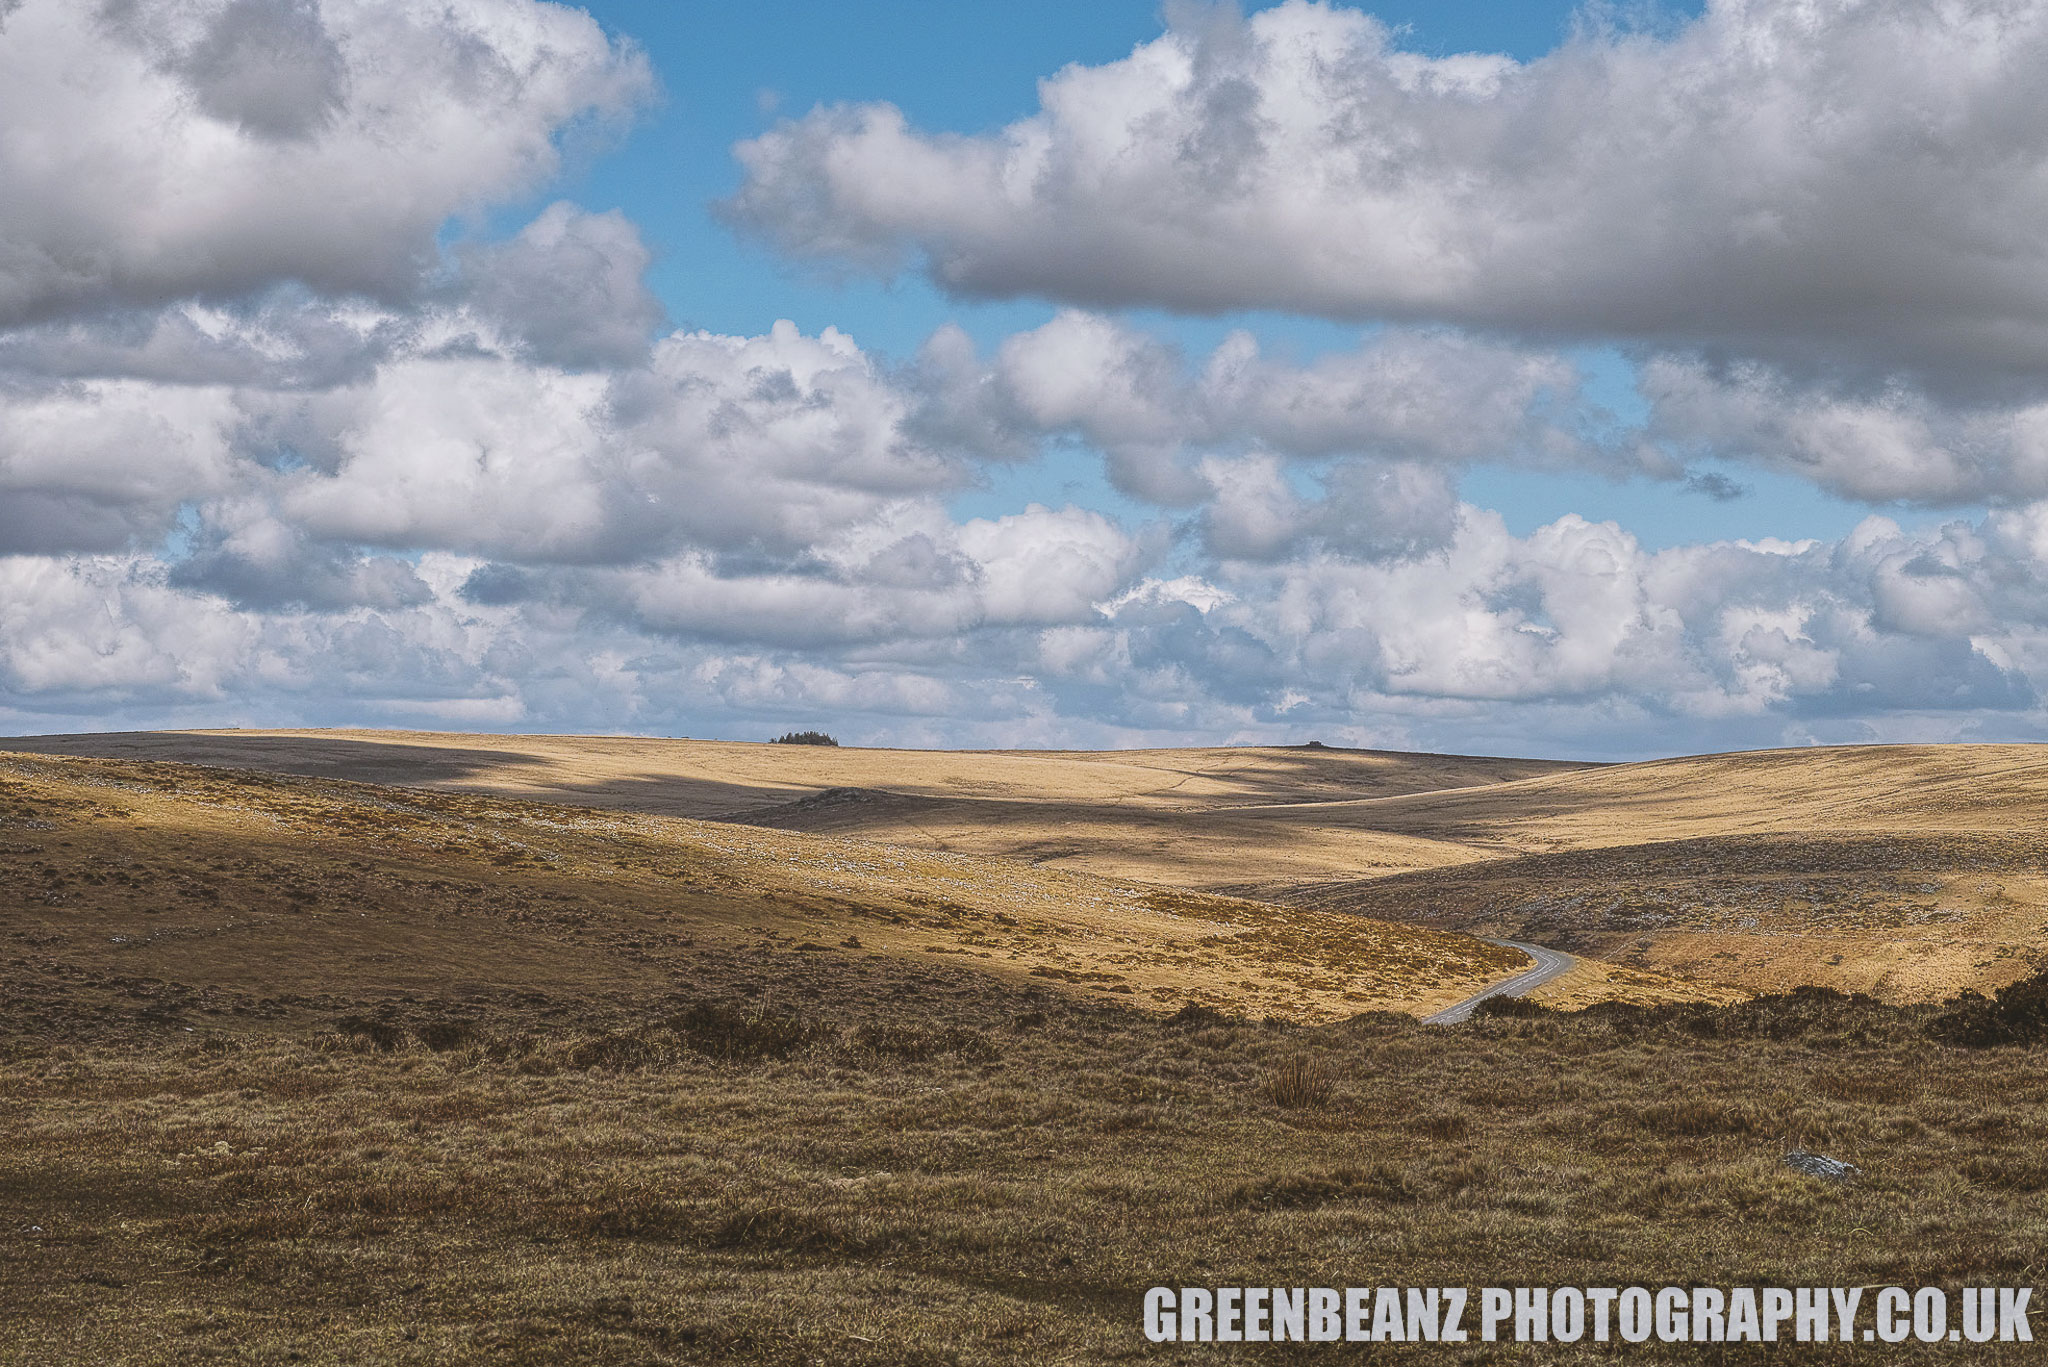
x: 297, y: 1070
x: 923, y: 1165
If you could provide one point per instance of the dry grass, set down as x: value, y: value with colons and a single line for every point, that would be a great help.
x: 1909, y: 917
x: 941, y: 1167
x: 1300, y: 1082
x: 302, y: 1070
x: 205, y: 881
x: 1179, y: 817
x: 1907, y: 871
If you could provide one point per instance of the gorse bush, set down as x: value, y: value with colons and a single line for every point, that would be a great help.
x: 805, y: 738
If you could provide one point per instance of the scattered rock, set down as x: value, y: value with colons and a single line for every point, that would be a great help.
x: 1821, y: 1166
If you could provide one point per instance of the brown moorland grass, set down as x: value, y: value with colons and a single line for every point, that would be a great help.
x: 1167, y: 816
x: 1906, y: 916
x: 800, y: 1159
x: 1900, y: 789
x: 1906, y: 871
x: 711, y: 778
x: 303, y: 1070
x: 178, y: 882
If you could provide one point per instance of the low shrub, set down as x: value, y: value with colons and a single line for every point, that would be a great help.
x: 379, y: 1035
x: 1195, y: 1016
x: 443, y: 1035
x: 1442, y: 1126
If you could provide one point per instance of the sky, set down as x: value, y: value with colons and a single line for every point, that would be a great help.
x: 1601, y: 382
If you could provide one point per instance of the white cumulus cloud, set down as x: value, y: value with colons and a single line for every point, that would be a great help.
x: 1853, y: 180
x: 153, y: 151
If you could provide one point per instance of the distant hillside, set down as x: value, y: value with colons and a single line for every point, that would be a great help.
x: 1181, y: 817
x: 1835, y: 788
x: 226, y: 892
x: 1908, y: 871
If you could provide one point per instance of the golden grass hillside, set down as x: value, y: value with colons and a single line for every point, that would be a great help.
x: 1904, y: 917
x: 305, y: 1070
x: 1905, y: 871
x: 1820, y: 790
x: 1179, y: 817
x: 1910, y: 872
x: 251, y: 887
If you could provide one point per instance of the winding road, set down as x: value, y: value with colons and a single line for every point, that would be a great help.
x: 1549, y: 963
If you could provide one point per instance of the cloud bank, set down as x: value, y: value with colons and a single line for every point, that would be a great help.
x: 1817, y: 227
x: 1842, y: 180
x: 283, y: 441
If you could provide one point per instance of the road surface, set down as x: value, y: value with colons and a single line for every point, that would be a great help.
x: 1549, y: 963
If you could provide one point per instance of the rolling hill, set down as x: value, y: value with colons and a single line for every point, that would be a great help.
x: 1908, y: 871
x: 1165, y: 816
x: 302, y: 1068
x: 135, y: 885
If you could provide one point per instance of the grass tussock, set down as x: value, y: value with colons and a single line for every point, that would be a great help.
x: 1300, y: 1082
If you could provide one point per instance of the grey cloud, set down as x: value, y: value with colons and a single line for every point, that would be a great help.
x: 92, y: 467
x: 769, y: 499
x: 357, y: 131
x: 50, y: 522
x: 1573, y: 638
x: 240, y: 550
x: 1851, y: 185
x: 918, y: 561
x: 497, y: 585
x: 1876, y: 443
x: 269, y: 66
x: 441, y: 428
x: 1369, y: 510
x: 962, y: 406
x: 1716, y: 486
x: 1947, y: 675
x: 569, y: 287
x: 1404, y: 395
x: 284, y: 339
x: 310, y: 578
x: 1375, y: 509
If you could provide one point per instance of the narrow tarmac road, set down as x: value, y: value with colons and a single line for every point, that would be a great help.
x: 1549, y: 963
